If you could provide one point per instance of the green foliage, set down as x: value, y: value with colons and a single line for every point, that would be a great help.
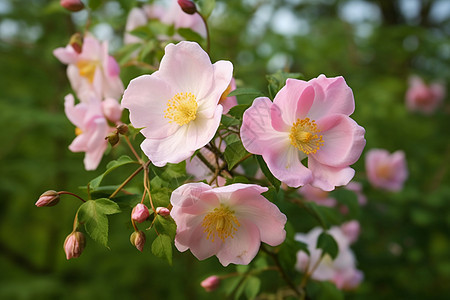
x: 278, y: 80
x: 123, y: 160
x: 262, y: 164
x: 206, y: 7
x: 234, y: 153
x: 328, y: 245
x: 93, y: 214
x: 162, y: 247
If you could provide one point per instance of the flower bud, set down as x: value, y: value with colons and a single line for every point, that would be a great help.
x: 162, y: 211
x: 140, y: 213
x: 74, y: 244
x: 49, y: 198
x: 211, y: 283
x: 113, y: 138
x: 76, y: 41
x: 137, y: 239
x: 72, y: 5
x: 187, y: 6
x: 122, y: 129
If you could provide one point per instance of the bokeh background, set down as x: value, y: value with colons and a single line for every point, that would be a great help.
x: 404, y: 247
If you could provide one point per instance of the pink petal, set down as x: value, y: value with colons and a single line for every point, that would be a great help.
x: 75, y: 114
x: 343, y: 141
x: 66, y: 55
x: 289, y: 100
x: 326, y: 177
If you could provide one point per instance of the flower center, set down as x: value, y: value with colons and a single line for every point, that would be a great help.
x: 181, y: 109
x: 304, y: 136
x: 384, y: 171
x: 221, y: 222
x: 87, y: 68
x: 78, y: 131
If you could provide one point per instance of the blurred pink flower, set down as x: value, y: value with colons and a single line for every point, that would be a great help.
x: 177, y: 106
x: 306, y: 120
x: 112, y: 110
x: 91, y: 71
x: 317, y: 195
x: 351, y: 230
x: 341, y: 271
x: 92, y: 128
x: 228, y: 102
x: 385, y: 170
x: 229, y: 222
x: 422, y: 97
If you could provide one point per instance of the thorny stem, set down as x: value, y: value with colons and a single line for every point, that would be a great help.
x: 69, y: 193
x: 134, y: 151
x: 207, y: 32
x: 127, y: 180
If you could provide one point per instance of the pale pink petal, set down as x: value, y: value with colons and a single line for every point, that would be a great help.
x: 66, y: 55
x: 291, y: 100
x: 188, y: 194
x: 79, y: 143
x: 136, y: 18
x: 202, y: 130
x: 75, y: 114
x: 92, y: 158
x: 327, y: 177
x: 343, y: 141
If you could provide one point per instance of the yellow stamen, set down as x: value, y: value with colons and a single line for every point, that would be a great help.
x: 221, y: 222
x: 78, y: 131
x: 182, y: 108
x: 384, y: 171
x: 87, y: 68
x: 224, y: 95
x: 304, y: 136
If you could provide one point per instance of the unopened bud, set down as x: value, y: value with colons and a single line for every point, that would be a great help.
x: 72, y: 5
x: 187, y: 6
x: 74, y: 244
x: 140, y: 213
x: 113, y: 138
x: 211, y: 283
x: 137, y: 239
x: 162, y: 211
x: 122, y: 129
x: 76, y: 41
x: 49, y: 198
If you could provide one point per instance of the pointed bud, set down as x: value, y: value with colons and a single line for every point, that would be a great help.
x: 140, y: 213
x: 113, y: 138
x: 122, y: 129
x: 137, y: 239
x: 72, y: 5
x: 211, y: 283
x: 76, y: 41
x: 49, y: 198
x: 74, y: 244
x: 187, y: 6
x: 162, y: 211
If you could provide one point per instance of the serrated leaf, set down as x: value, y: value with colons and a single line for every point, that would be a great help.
x: 252, y: 287
x: 246, y: 91
x: 229, y: 121
x: 206, y: 7
x: 233, y: 153
x: 238, y: 110
x: 262, y: 164
x: 161, y: 196
x: 93, y: 214
x: 123, y: 160
x: 166, y: 225
x: 328, y: 245
x: 162, y: 247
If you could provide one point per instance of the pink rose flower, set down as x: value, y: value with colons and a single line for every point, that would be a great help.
x: 229, y: 222
x: 92, y: 128
x: 93, y: 70
x: 341, y: 271
x: 177, y: 106
x: 306, y: 120
x: 422, y: 97
x: 386, y: 171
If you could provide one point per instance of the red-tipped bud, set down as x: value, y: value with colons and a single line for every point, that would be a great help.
x: 122, y: 129
x: 162, y: 211
x: 187, y: 6
x: 113, y: 138
x: 74, y: 244
x: 76, y: 41
x: 211, y: 283
x: 49, y: 198
x: 137, y: 239
x: 72, y: 5
x: 140, y: 213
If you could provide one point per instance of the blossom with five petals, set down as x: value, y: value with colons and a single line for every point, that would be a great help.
x: 306, y: 120
x: 229, y: 222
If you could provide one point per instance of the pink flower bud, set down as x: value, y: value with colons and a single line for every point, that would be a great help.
x: 211, y: 283
x: 74, y: 244
x: 162, y: 211
x: 140, y: 213
x: 187, y: 6
x: 351, y: 230
x: 137, y: 239
x: 112, y: 110
x: 72, y: 5
x: 49, y: 198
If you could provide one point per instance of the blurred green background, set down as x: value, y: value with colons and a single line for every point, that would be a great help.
x: 404, y: 247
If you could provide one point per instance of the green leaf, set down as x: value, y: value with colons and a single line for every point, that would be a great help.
x: 93, y: 214
x: 162, y: 247
x: 206, y: 7
x: 229, y: 121
x: 318, y: 212
x: 246, y: 91
x: 166, y: 225
x: 252, y: 287
x: 234, y: 152
x: 328, y: 245
x: 190, y: 35
x: 323, y: 290
x: 238, y: 110
x: 170, y: 171
x: 289, y: 249
x: 161, y: 196
x: 93, y: 4
x: 348, y: 198
x: 123, y: 160
x: 278, y: 80
x: 262, y: 164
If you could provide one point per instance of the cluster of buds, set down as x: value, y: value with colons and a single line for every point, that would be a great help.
x: 113, y: 137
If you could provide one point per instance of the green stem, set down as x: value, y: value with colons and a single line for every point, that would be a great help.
x: 207, y: 32
x: 126, y: 181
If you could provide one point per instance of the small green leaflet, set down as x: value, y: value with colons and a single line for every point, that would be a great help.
x: 328, y: 245
x: 246, y: 91
x: 234, y: 152
x: 123, y: 160
x: 206, y: 7
x: 162, y: 247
